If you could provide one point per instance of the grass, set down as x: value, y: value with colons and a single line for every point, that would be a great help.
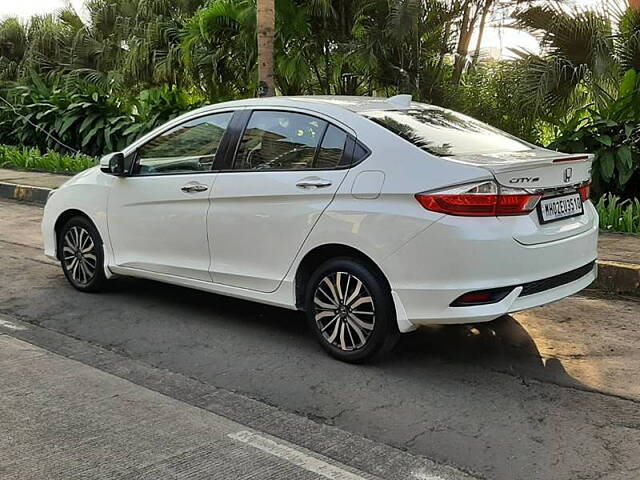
x: 617, y: 215
x: 25, y: 158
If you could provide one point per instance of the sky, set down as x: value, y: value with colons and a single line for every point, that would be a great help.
x: 498, y: 40
x: 26, y: 8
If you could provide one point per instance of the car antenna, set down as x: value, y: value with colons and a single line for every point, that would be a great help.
x: 400, y: 101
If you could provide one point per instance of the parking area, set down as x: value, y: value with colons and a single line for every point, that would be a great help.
x: 551, y: 393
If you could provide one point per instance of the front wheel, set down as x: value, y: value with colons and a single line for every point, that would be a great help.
x: 350, y: 310
x: 81, y: 255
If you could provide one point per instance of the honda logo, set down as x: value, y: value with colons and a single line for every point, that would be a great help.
x: 567, y: 174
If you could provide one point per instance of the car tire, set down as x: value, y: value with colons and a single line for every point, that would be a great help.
x: 81, y: 255
x: 349, y: 309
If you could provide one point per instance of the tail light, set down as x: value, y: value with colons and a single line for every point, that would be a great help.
x: 485, y: 199
x: 585, y: 190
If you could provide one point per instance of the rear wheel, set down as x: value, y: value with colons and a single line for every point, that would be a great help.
x: 350, y: 310
x: 81, y: 255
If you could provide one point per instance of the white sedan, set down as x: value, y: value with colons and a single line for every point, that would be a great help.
x: 371, y: 215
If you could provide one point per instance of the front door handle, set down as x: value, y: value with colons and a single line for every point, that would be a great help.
x: 194, y: 188
x: 313, y: 182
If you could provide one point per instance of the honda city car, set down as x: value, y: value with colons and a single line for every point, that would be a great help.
x: 371, y: 215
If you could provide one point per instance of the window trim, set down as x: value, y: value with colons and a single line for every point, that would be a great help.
x: 247, y: 116
x: 224, y: 141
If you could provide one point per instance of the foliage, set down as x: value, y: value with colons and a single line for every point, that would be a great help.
x: 578, y: 52
x: 25, y: 158
x: 614, y: 136
x: 617, y: 215
x: 156, y: 106
x: 89, y: 121
x: 488, y: 94
x: 96, y: 83
x: 57, y: 115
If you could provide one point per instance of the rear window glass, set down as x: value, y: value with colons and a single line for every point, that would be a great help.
x: 445, y: 133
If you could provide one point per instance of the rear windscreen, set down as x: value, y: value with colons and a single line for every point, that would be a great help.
x: 444, y: 133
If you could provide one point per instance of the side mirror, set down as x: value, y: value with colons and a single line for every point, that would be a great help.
x: 113, y: 164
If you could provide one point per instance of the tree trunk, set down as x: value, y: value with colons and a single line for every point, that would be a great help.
x: 634, y: 4
x: 461, y: 52
x: 265, y: 26
x: 483, y: 21
x: 467, y: 26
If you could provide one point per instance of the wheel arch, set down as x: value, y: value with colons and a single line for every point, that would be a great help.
x: 318, y: 255
x: 63, y: 218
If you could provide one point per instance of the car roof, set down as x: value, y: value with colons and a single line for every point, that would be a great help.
x: 353, y: 103
x: 357, y: 104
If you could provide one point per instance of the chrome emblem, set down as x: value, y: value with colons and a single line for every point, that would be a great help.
x: 567, y: 174
x: 525, y: 180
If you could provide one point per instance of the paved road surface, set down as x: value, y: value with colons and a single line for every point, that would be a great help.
x: 64, y: 420
x: 553, y: 393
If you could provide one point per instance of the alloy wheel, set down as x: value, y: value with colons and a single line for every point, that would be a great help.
x: 79, y: 255
x: 344, y: 311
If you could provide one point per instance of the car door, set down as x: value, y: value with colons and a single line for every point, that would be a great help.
x: 287, y: 168
x: 157, y: 215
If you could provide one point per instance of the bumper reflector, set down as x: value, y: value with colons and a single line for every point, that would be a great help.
x: 482, y: 297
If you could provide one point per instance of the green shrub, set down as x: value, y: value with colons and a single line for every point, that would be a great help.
x: 30, y: 158
x: 83, y: 117
x: 613, y: 134
x: 617, y: 215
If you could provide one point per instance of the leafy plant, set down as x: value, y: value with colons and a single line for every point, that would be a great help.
x: 25, y: 158
x: 50, y: 116
x: 617, y: 215
x: 611, y: 133
x: 155, y: 106
x: 54, y: 115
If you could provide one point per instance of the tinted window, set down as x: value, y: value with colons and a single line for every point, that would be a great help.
x: 330, y: 152
x: 189, y: 147
x: 443, y: 132
x: 360, y: 153
x: 280, y: 141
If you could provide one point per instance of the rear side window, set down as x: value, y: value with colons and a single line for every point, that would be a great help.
x: 276, y: 140
x: 331, y: 151
x: 446, y: 133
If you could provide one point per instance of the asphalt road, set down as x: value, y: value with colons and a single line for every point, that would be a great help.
x: 553, y: 393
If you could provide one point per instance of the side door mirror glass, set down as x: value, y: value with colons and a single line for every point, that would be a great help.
x: 113, y: 164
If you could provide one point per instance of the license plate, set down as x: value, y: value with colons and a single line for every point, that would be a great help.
x: 557, y: 208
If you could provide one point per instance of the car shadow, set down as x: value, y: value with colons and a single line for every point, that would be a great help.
x: 502, y: 345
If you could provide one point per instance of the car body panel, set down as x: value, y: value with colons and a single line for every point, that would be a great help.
x: 259, y: 220
x: 155, y: 226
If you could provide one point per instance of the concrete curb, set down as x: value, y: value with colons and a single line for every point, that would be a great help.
x: 24, y: 193
x: 619, y: 278
x: 613, y: 277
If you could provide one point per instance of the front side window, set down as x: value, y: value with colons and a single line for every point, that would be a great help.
x: 287, y: 141
x: 189, y: 147
x: 446, y: 133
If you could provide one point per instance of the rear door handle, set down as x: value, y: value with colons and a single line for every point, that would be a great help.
x: 313, y: 182
x: 194, y: 188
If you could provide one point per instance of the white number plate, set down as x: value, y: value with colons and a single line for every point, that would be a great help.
x: 557, y: 208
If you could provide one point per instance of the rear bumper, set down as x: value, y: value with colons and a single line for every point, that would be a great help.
x: 514, y: 302
x: 461, y: 255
